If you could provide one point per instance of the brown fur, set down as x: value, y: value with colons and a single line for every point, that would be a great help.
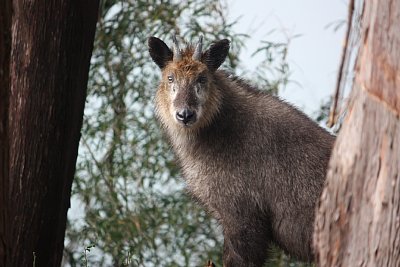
x: 255, y: 162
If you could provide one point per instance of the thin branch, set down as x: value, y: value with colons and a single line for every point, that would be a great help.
x: 332, y: 114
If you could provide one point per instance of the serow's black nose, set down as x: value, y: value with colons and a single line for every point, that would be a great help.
x: 185, y: 115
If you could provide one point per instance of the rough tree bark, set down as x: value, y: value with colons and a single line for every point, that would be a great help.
x: 44, y: 85
x: 358, y: 219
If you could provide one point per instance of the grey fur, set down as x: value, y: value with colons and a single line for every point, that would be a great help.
x: 258, y: 167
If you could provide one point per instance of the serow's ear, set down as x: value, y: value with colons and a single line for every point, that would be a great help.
x: 216, y: 54
x: 159, y: 52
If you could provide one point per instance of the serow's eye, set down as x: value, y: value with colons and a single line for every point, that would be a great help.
x: 170, y: 78
x: 202, y: 79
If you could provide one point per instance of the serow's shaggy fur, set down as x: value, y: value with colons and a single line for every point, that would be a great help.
x: 256, y: 163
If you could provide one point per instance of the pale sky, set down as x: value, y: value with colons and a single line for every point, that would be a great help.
x: 313, y: 57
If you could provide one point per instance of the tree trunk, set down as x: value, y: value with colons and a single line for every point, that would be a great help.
x: 5, y: 48
x: 51, y: 47
x: 358, y: 219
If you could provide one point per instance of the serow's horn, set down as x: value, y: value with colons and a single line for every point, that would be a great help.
x: 177, y: 51
x: 197, y: 51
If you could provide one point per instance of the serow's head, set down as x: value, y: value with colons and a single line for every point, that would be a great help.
x: 186, y: 96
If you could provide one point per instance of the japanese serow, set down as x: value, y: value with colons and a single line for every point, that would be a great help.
x: 255, y: 162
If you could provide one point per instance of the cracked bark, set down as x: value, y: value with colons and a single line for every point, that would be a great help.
x: 358, y: 218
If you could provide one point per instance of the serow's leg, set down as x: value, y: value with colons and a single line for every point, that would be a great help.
x: 245, y: 246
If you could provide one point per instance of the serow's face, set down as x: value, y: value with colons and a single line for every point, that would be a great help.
x: 188, y: 92
x: 186, y: 89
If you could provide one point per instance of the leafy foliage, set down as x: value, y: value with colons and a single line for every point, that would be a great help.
x: 135, y: 210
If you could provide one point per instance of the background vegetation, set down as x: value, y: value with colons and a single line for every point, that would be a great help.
x: 134, y: 206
